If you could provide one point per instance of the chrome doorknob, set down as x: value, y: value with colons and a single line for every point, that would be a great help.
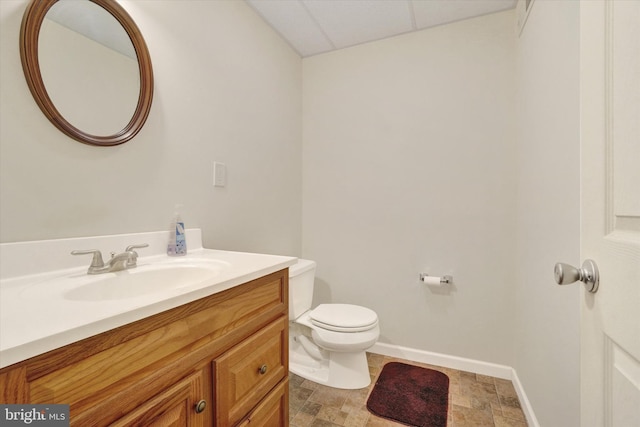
x: 588, y: 274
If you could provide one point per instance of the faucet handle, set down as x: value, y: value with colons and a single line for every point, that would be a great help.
x: 132, y: 247
x: 97, y: 256
x: 133, y: 260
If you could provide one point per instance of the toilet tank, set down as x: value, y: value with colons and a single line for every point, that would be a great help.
x: 301, y: 278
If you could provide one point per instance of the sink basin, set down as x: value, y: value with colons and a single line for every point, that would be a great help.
x: 135, y: 282
x: 138, y: 282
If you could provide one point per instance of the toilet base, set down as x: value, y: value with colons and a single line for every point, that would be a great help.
x: 340, y: 370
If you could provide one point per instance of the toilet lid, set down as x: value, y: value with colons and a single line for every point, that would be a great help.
x: 343, y: 317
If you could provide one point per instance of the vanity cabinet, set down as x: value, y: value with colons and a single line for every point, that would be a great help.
x: 221, y: 360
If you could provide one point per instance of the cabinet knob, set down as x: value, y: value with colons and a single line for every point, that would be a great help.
x: 200, y: 406
x: 263, y: 369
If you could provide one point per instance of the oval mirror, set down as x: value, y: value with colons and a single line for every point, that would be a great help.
x: 88, y: 68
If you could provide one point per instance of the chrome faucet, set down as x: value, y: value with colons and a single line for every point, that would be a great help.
x: 122, y: 261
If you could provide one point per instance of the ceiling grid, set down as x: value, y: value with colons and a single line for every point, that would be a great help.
x: 316, y: 26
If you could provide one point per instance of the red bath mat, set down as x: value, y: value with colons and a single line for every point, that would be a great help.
x: 411, y: 395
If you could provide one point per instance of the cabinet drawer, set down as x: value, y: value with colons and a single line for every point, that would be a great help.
x: 244, y: 375
x: 273, y: 411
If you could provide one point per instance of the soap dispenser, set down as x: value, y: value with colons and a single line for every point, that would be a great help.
x: 177, y: 239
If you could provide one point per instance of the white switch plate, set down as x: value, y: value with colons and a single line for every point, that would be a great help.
x: 219, y: 174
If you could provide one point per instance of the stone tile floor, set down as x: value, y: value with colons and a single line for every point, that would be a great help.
x: 474, y: 401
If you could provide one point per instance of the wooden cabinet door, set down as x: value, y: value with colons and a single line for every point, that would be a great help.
x: 175, y: 407
x: 244, y: 375
x: 273, y: 411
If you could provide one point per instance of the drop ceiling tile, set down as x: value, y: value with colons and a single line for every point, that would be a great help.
x: 429, y: 13
x: 351, y: 22
x: 291, y: 20
x: 317, y: 26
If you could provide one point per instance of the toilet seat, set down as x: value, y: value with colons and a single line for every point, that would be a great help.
x: 343, y: 318
x: 342, y: 328
x: 345, y: 342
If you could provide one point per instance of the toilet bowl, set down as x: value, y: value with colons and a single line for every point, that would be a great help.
x: 327, y: 344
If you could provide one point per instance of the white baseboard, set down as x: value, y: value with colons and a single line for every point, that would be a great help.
x: 524, y: 401
x: 461, y: 364
x: 444, y: 360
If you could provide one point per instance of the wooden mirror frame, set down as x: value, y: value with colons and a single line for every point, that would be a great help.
x: 29, y: 33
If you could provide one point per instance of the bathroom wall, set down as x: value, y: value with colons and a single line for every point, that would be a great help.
x: 408, y: 167
x: 227, y: 89
x: 547, y: 316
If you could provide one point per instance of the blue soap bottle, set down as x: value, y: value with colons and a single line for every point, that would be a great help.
x: 177, y: 238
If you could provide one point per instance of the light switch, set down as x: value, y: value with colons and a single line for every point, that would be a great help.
x: 219, y: 174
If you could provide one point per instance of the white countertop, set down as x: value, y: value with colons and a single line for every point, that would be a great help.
x: 36, y: 318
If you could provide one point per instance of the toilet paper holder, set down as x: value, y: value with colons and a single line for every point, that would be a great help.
x: 444, y: 280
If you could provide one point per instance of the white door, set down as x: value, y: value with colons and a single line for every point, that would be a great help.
x: 610, y: 209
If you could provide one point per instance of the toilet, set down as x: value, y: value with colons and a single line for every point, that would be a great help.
x: 327, y: 344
